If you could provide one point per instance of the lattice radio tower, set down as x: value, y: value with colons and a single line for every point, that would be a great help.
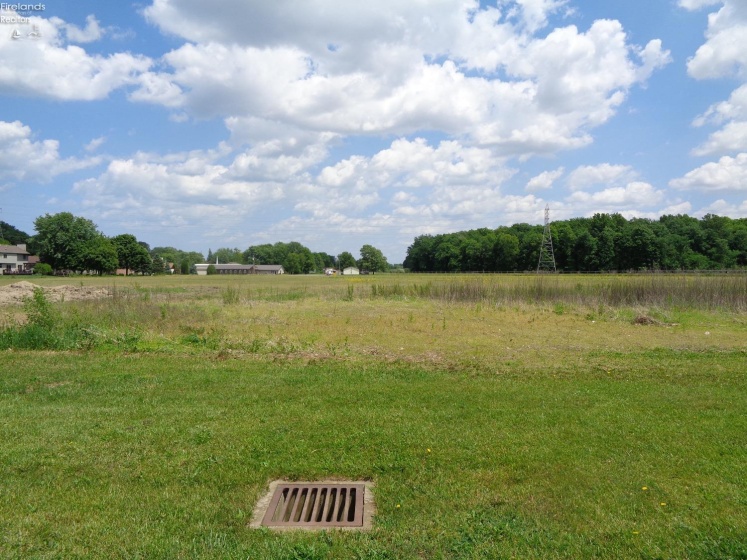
x: 547, y: 255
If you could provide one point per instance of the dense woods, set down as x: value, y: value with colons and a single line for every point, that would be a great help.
x: 604, y: 242
x: 9, y: 235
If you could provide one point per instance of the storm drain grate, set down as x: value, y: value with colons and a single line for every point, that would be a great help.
x: 316, y: 505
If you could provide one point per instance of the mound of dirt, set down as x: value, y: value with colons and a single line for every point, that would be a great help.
x: 16, y: 293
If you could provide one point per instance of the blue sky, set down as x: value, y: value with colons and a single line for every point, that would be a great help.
x: 199, y: 127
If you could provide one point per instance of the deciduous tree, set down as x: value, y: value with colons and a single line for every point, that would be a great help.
x: 345, y: 260
x: 132, y: 256
x: 99, y: 255
x: 373, y: 260
x: 62, y: 240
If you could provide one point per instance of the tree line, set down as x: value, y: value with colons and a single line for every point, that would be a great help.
x: 604, y: 242
x: 65, y: 242
x: 298, y: 259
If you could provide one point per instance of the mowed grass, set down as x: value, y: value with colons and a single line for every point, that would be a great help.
x: 518, y: 429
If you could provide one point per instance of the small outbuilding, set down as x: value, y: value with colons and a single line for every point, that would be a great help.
x: 350, y: 271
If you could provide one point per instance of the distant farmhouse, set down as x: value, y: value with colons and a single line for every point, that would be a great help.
x: 15, y: 259
x: 235, y: 268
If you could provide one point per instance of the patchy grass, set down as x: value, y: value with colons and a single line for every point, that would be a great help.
x: 492, y: 427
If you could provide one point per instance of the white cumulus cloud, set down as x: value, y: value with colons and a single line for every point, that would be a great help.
x: 725, y: 51
x: 724, y: 54
x: 733, y: 108
x: 48, y: 67
x: 398, y: 68
x: 604, y: 174
x: 721, y: 207
x: 726, y: 174
x: 408, y: 185
x: 23, y: 158
x: 636, y: 194
x: 544, y: 180
x: 74, y: 34
x: 731, y: 138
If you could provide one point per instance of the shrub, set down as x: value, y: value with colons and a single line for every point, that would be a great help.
x: 44, y: 329
x: 38, y: 333
x: 211, y: 269
x: 39, y: 310
x: 43, y: 268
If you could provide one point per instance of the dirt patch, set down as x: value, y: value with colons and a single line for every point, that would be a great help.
x: 57, y: 384
x: 17, y: 292
x: 645, y: 320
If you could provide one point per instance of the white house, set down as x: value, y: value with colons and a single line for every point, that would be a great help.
x: 13, y: 258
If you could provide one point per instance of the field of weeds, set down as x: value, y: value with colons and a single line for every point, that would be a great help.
x: 498, y: 415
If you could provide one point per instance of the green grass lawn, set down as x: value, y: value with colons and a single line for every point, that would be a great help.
x: 490, y: 431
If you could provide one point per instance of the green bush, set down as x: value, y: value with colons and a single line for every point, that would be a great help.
x: 44, y: 329
x: 39, y: 311
x: 211, y: 269
x: 43, y: 268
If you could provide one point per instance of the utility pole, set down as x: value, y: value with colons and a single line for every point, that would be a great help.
x: 546, y: 261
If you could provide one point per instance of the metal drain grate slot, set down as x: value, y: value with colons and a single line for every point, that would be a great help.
x: 316, y: 505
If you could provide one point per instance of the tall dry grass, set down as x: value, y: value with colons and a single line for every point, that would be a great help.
x: 720, y: 292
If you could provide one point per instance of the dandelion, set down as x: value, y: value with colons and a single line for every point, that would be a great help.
x: 644, y: 488
x: 663, y: 504
x: 428, y: 450
x: 398, y: 505
x: 635, y: 532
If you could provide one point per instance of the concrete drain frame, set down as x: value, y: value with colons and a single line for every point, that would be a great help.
x: 345, y: 505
